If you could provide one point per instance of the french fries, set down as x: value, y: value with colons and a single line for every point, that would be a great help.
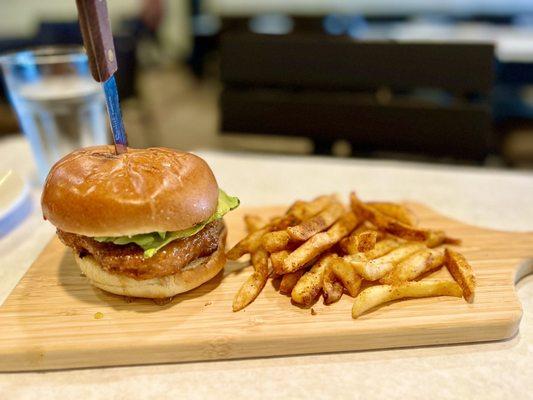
x: 366, y: 241
x: 319, y: 247
x: 320, y: 243
x: 331, y: 287
x: 303, y: 210
x: 277, y: 259
x: 275, y: 241
x: 338, y: 275
x: 253, y: 223
x: 413, y: 266
x: 397, y: 211
x: 374, y: 269
x: 255, y: 282
x: 253, y: 241
x: 461, y: 272
x: 288, y: 281
x: 308, y: 287
x: 375, y: 295
x: 318, y: 223
x: 383, y: 221
x: 436, y: 238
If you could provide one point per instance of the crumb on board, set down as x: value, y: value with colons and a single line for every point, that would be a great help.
x: 98, y: 315
x: 208, y: 303
x: 313, y: 312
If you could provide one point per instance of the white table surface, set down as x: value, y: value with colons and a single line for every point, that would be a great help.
x: 498, y: 370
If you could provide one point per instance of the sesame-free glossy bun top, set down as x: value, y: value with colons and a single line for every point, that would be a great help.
x: 95, y: 192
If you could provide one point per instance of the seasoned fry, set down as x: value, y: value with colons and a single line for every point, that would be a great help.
x: 361, y: 241
x: 436, y: 238
x: 303, y: 210
x: 375, y: 295
x: 277, y: 259
x: 350, y: 244
x: 366, y: 241
x: 318, y: 247
x: 332, y: 288
x: 381, y: 248
x: 275, y: 241
x: 461, y: 272
x: 319, y: 243
x: 340, y: 274
x: 252, y: 242
x: 318, y: 223
x: 253, y: 222
x: 394, y: 210
x: 288, y: 281
x: 413, y: 266
x: 255, y: 282
x: 375, y: 269
x: 348, y: 276
x: 385, y: 222
x: 310, y: 284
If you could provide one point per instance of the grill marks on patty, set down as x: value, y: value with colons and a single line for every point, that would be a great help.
x: 128, y: 260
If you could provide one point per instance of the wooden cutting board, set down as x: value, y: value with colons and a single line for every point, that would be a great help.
x: 50, y: 320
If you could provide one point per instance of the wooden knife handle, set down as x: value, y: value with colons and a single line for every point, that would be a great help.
x: 97, y: 38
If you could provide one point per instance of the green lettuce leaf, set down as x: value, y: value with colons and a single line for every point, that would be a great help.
x: 152, y: 242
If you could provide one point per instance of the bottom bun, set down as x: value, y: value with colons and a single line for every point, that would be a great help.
x: 187, y: 278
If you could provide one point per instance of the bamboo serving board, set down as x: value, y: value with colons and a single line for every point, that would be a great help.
x: 54, y: 319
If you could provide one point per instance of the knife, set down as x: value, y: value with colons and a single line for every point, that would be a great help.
x: 98, y: 42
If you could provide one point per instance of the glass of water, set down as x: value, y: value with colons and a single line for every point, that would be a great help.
x: 58, y: 104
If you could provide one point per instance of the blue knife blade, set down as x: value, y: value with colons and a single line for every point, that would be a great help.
x: 115, y: 116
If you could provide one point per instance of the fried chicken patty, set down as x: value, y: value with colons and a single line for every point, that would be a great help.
x: 129, y: 260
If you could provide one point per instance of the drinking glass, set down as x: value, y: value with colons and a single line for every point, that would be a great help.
x: 58, y: 105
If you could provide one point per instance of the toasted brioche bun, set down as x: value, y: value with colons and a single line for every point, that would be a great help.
x: 191, y: 276
x: 94, y: 192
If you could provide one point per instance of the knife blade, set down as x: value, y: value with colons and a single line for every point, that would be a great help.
x: 98, y: 42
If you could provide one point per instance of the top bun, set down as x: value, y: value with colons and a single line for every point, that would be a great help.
x: 94, y: 192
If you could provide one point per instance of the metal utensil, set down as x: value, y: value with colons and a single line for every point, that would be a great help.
x: 98, y: 42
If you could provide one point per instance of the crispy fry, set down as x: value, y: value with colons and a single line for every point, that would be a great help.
x: 288, y: 281
x: 348, y: 276
x: 385, y: 222
x: 275, y: 241
x: 461, y: 272
x: 375, y: 295
x: 318, y: 246
x: 310, y: 284
x: 366, y: 241
x: 331, y: 287
x: 394, y: 210
x: 361, y: 240
x: 253, y: 241
x: 375, y: 269
x: 277, y: 259
x: 381, y: 248
x: 340, y: 274
x: 319, y: 243
x: 255, y: 282
x: 253, y: 222
x: 436, y: 238
x: 303, y: 210
x: 413, y: 266
x: 318, y: 223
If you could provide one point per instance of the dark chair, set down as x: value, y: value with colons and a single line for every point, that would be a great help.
x: 423, y: 98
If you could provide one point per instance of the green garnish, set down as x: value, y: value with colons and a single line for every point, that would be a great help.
x: 152, y: 242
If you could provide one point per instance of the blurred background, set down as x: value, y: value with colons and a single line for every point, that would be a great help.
x: 423, y: 80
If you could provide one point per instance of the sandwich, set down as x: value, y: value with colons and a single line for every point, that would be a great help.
x: 145, y: 223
